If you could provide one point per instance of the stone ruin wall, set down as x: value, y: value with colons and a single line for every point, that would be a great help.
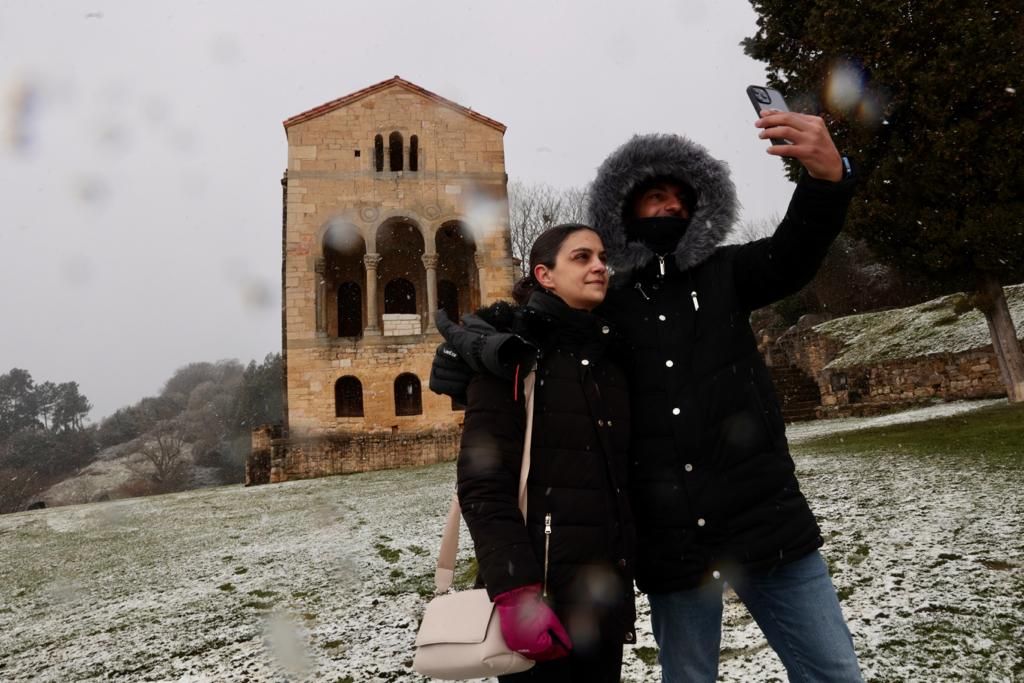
x: 887, y: 386
x: 275, y: 459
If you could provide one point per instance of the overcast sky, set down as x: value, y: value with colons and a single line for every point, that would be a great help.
x: 141, y: 146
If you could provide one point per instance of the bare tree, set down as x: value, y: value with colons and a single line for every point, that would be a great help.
x: 535, y: 207
x: 753, y: 230
x: 164, y: 451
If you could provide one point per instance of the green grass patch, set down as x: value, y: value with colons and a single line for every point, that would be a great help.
x: 418, y: 550
x: 989, y: 436
x: 227, y: 587
x: 263, y: 594
x: 389, y: 554
x: 421, y: 584
x: 647, y: 655
x: 466, y: 577
x: 241, y: 570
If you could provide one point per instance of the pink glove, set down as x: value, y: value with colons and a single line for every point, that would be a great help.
x: 529, y: 626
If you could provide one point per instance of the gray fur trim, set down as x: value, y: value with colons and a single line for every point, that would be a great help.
x: 649, y: 156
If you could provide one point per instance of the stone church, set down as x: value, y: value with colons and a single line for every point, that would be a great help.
x: 395, y: 205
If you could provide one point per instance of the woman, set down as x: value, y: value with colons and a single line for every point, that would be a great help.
x: 562, y: 582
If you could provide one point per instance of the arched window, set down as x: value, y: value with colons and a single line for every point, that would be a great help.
x: 350, y: 310
x: 348, y: 397
x: 378, y: 153
x: 395, y: 151
x: 399, y: 296
x: 448, y: 299
x: 414, y: 153
x: 407, y: 395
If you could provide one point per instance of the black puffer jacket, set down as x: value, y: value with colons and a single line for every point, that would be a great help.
x: 578, y: 473
x: 712, y: 479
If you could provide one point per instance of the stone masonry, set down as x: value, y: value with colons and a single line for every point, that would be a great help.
x: 395, y: 205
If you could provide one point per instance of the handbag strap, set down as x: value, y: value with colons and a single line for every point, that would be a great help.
x: 444, y: 575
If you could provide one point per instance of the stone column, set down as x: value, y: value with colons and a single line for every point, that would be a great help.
x: 371, y: 261
x: 430, y: 263
x: 481, y: 263
x: 320, y: 268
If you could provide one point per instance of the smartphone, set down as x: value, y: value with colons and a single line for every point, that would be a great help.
x: 762, y: 98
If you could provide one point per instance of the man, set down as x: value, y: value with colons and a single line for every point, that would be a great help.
x: 712, y: 482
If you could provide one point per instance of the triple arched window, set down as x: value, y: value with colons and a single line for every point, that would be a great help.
x: 396, y: 152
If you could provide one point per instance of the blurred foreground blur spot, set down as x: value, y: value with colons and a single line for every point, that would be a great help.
x: 20, y: 107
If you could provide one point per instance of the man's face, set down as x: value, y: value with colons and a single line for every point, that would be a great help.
x: 662, y: 199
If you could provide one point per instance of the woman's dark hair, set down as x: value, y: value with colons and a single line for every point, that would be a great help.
x: 544, y: 252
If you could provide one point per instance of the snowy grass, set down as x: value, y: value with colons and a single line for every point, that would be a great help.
x: 325, y: 579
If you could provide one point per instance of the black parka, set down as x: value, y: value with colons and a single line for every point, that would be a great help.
x: 577, y: 484
x: 712, y: 480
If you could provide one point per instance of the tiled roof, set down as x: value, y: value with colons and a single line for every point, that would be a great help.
x: 384, y: 85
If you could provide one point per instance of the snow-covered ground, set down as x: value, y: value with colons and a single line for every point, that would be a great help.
x: 318, y: 580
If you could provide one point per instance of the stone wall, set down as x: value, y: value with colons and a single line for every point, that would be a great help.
x: 307, y: 458
x: 861, y: 390
x: 895, y: 385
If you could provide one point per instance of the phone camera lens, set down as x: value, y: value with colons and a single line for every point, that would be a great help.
x: 762, y: 96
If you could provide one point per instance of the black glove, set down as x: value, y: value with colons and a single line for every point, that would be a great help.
x: 449, y: 374
x: 474, y: 347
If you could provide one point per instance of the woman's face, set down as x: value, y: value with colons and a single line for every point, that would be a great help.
x: 580, y: 276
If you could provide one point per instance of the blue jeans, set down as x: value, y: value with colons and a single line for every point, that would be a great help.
x: 795, y: 605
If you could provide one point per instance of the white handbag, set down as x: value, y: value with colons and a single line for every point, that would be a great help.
x: 460, y: 636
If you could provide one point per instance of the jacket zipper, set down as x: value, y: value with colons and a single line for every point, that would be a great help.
x: 661, y: 265
x: 547, y: 548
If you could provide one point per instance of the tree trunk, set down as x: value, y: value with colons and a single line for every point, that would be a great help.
x: 1004, y: 335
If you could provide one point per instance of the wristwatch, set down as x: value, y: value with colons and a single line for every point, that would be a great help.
x: 847, y: 167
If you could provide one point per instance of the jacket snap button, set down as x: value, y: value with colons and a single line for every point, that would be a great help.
x: 688, y: 467
x: 701, y: 522
x: 661, y: 318
x: 600, y: 423
x: 676, y: 411
x: 605, y: 330
x: 609, y: 423
x: 584, y: 362
x: 669, y: 364
x: 717, y: 574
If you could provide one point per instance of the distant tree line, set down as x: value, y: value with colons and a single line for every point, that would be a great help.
x: 202, y: 417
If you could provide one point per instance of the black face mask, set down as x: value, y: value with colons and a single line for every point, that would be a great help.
x: 660, y: 234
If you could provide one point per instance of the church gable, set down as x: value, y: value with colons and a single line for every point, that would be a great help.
x: 394, y: 126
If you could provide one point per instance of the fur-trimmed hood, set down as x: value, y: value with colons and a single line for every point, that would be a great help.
x: 662, y: 155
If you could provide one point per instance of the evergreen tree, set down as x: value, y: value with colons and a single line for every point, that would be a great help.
x: 928, y: 97
x: 19, y: 405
